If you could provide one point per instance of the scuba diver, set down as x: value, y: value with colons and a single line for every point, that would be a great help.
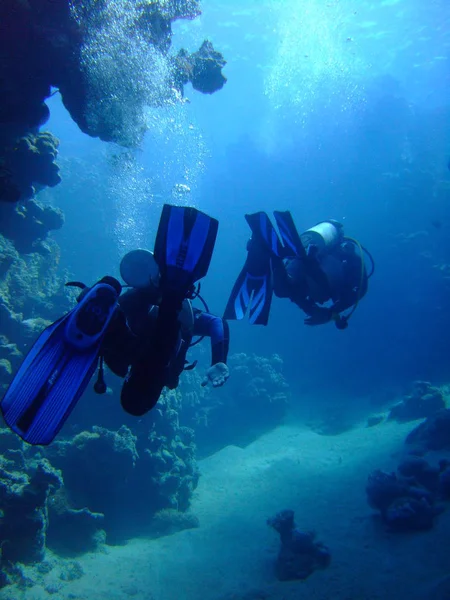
x: 143, y: 335
x: 321, y: 270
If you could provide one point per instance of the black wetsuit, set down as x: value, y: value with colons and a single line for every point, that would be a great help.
x: 337, y: 278
x: 131, y: 335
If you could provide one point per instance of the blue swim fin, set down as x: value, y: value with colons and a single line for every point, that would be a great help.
x: 289, y: 234
x: 252, y: 293
x: 183, y: 247
x: 59, y: 366
x: 263, y: 230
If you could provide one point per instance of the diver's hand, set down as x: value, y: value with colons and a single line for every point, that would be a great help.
x: 216, y: 375
x: 320, y: 316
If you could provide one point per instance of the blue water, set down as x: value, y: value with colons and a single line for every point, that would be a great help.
x: 331, y: 110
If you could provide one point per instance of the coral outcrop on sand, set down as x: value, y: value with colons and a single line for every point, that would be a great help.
x: 408, y: 500
x: 253, y: 401
x: 128, y: 478
x: 98, y: 486
x: 423, y: 401
x: 25, y: 486
x: 299, y: 554
x: 432, y: 434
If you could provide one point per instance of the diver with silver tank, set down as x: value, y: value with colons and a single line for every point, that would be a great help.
x: 322, y: 271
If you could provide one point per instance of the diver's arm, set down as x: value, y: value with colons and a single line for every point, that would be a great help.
x: 215, y: 328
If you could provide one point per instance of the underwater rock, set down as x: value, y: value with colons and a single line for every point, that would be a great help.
x: 10, y: 352
x: 418, y: 470
x: 24, y: 490
x: 29, y: 286
x: 28, y: 164
x: 202, y: 68
x: 299, y: 554
x: 256, y: 383
x: 169, y: 521
x: 72, y: 531
x: 432, y: 434
x: 207, y: 65
x: 96, y: 467
x: 11, y: 323
x: 128, y: 478
x: 410, y: 514
x: 28, y: 224
x: 404, y: 501
x: 444, y: 479
x: 424, y: 401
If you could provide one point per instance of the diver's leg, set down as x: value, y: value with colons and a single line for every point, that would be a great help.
x: 147, y: 377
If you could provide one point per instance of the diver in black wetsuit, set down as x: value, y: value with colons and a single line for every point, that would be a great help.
x: 131, y: 336
x: 322, y: 271
x: 143, y: 335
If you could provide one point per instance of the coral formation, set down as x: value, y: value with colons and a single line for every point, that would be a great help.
x: 432, y: 434
x: 27, y: 165
x: 299, y: 554
x: 29, y: 286
x: 423, y: 401
x: 28, y: 225
x: 72, y: 531
x: 409, y: 499
x: 60, y: 45
x: 112, y: 472
x: 24, y: 490
x: 202, y: 68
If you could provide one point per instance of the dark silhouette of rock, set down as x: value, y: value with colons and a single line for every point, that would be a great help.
x: 432, y: 434
x: 24, y: 491
x: 407, y: 501
x: 299, y: 554
x: 29, y: 224
x: 423, y: 401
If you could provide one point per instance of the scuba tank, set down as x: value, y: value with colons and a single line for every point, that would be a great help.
x: 323, y: 236
x: 138, y: 269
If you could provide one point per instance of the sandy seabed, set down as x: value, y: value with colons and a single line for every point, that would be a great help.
x: 231, y: 555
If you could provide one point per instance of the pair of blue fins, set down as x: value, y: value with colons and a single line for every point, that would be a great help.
x: 252, y: 293
x: 60, y: 364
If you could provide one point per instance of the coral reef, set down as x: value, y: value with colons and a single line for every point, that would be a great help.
x: 299, y: 554
x: 28, y: 225
x: 202, y: 68
x: 253, y: 401
x: 72, y: 531
x: 27, y: 165
x: 423, y: 401
x: 409, y: 499
x: 126, y: 478
x: 432, y: 434
x: 24, y: 490
x: 32, y: 295
x: 61, y: 45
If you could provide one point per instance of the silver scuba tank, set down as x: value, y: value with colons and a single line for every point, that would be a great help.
x: 138, y: 269
x: 324, y: 235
